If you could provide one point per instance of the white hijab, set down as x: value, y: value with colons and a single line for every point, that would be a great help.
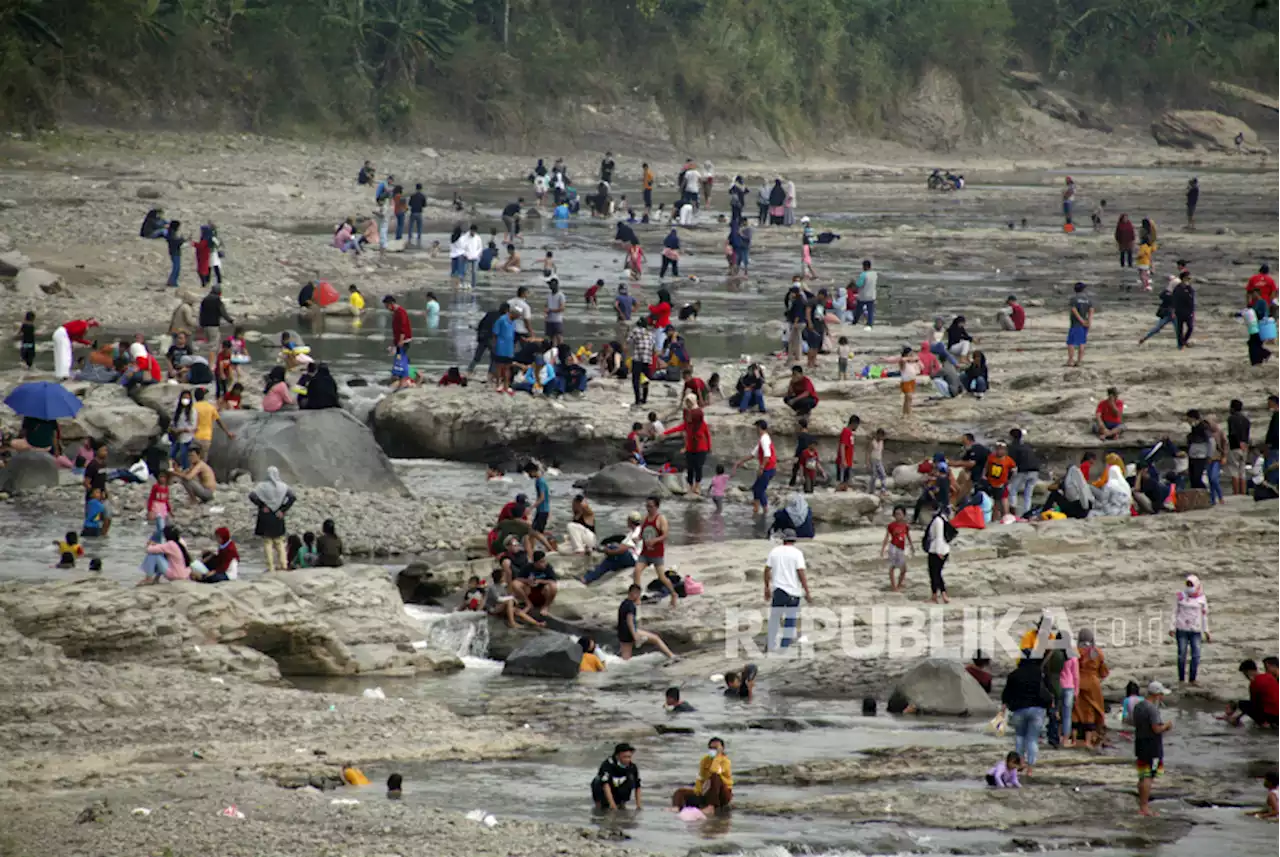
x: 273, y: 491
x: 1076, y: 488
x: 790, y: 187
x: 797, y: 509
x: 1116, y: 496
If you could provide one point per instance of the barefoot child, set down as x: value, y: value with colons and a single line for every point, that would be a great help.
x: 843, y: 352
x: 909, y: 368
x: 1005, y: 774
x: 844, y: 453
x: 875, y: 462
x: 811, y: 466
x: 897, y: 539
x: 719, y: 484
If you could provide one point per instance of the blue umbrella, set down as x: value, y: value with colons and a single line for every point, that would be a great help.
x: 43, y: 400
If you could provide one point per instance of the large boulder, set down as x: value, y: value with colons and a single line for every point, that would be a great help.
x: 941, y: 687
x: 623, y: 480
x: 843, y: 507
x: 36, y: 282
x: 549, y: 655
x: 110, y: 415
x: 12, y: 263
x: 324, y: 622
x: 907, y: 476
x: 27, y: 472
x: 1204, y: 129
x: 321, y: 449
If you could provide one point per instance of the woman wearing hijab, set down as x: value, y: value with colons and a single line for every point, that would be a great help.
x: 1112, y: 460
x: 272, y: 498
x: 1190, y: 623
x: 670, y: 254
x: 1089, y: 711
x: 777, y: 202
x: 1115, y: 497
x: 276, y: 391
x: 223, y: 564
x: 697, y: 442
x: 789, y: 204
x: 1077, y: 496
x: 796, y: 515
x: 322, y: 392
x: 1125, y: 239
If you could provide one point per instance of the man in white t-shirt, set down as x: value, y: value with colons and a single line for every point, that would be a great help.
x: 692, y: 186
x: 784, y: 583
x: 520, y: 305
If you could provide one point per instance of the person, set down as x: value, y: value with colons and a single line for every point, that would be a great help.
x: 1005, y: 774
x: 1080, y: 311
x: 629, y: 634
x: 1089, y: 711
x: 617, y: 780
x: 504, y: 346
x: 978, y: 668
x: 1108, y: 418
x: 997, y: 471
x: 801, y: 396
x: 96, y: 518
x: 536, y: 583
x: 1148, y: 742
x: 1193, y: 199
x: 719, y: 487
x: 670, y: 254
x: 653, y: 546
x: 1271, y: 809
x: 1132, y: 696
x: 750, y: 390
x: 213, y: 312
x: 767, y: 463
x: 1261, y: 286
x: 875, y: 462
x: 623, y: 304
x: 1114, y: 498
x: 74, y: 331
x: 697, y: 443
x: 1125, y: 237
x: 1199, y: 449
x: 26, y: 337
x: 176, y: 241
x: 785, y: 582
x: 329, y: 545
x: 1027, y: 700
x: 166, y: 558
x: 619, y: 552
x: 938, y: 548
x: 581, y: 531
x: 159, y: 511
x: 499, y: 602
x: 713, y: 789
x: 542, y: 496
x: 1012, y: 316
x: 845, y: 453
x: 640, y: 344
x: 272, y: 499
x: 1072, y: 495
x: 1183, y: 299
x: 1237, y: 446
x: 1189, y: 623
x: 223, y: 563
x: 959, y: 342
x: 908, y: 369
x: 555, y: 309
x: 673, y: 704
x: 1263, y: 704
x: 866, y: 285
x: 276, y: 393
x: 511, y: 221
x: 897, y: 540
x: 741, y: 685
x: 591, y: 662
x: 197, y: 478
x: 154, y: 224
x: 1026, y: 465
x: 976, y: 378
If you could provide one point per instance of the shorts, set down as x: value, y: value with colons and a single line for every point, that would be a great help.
x: 503, y: 361
x: 1236, y: 460
x: 555, y: 328
x: 1110, y: 424
x: 897, y: 557
x: 999, y: 492
x: 624, y: 635
x: 1149, y: 769
x: 645, y: 560
x: 540, y: 521
x: 1077, y: 336
x: 842, y: 365
x: 908, y: 386
x: 212, y: 333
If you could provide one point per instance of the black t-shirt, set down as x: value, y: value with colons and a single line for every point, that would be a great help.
x: 199, y: 373
x: 548, y: 573
x: 520, y: 565
x: 28, y: 332
x: 1024, y: 457
x: 606, y: 170
x: 96, y: 475
x: 1148, y: 744
x: 306, y: 293
x: 485, y: 328
x: 1273, y: 431
x: 803, y: 441
x: 417, y: 202
x: 625, y: 609
x: 1237, y: 430
x: 682, y: 707
x: 687, y: 312
x: 977, y: 453
x: 177, y: 352
x: 175, y: 243
x: 511, y: 210
x: 625, y: 233
x: 621, y: 778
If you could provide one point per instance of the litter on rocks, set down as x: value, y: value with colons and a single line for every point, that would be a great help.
x: 232, y: 812
x: 344, y: 801
x: 141, y: 812
x: 374, y: 693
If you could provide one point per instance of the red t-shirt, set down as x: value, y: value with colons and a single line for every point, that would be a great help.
x: 1263, y: 285
x: 1265, y: 690
x: 592, y: 292
x: 766, y: 454
x: 803, y: 387
x: 76, y: 329
x: 1112, y: 413
x: 844, y: 453
x: 401, y: 330
x: 898, y: 533
x: 809, y: 458
x: 699, y: 388
x: 661, y: 314
x: 1019, y: 316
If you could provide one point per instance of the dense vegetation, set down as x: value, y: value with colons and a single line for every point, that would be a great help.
x: 383, y: 66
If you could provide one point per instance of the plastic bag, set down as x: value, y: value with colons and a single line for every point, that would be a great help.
x: 998, y: 724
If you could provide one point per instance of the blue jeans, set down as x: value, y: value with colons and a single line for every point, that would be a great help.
x: 869, y: 307
x: 608, y: 565
x: 760, y: 488
x: 744, y: 258
x: 940, y: 351
x: 1066, y: 704
x: 382, y: 234
x: 785, y: 612
x: 752, y: 399
x: 175, y: 268
x: 155, y: 565
x: 1188, y: 640
x: 978, y: 385
x: 1213, y: 475
x: 467, y: 266
x: 415, y: 222
x: 179, y: 453
x: 399, y: 226
x: 1160, y: 325
x: 1027, y: 723
x: 158, y: 535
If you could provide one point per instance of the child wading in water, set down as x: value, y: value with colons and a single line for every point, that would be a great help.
x: 1271, y: 811
x: 1005, y: 774
x: 719, y: 484
x: 897, y: 539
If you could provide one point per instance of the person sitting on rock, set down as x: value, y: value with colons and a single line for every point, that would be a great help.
x: 713, y: 789
x: 328, y: 546
x: 154, y: 224
x: 535, y: 583
x: 499, y: 602
x: 796, y: 515
x: 801, y: 396
x: 620, y: 552
x: 198, y: 478
x: 222, y: 564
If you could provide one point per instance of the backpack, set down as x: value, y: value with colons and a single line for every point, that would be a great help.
x: 658, y: 587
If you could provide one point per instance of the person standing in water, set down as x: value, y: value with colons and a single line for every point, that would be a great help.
x: 1148, y: 743
x: 1193, y: 199
x: 1068, y: 203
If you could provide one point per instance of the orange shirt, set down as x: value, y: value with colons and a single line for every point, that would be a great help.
x: 999, y: 470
